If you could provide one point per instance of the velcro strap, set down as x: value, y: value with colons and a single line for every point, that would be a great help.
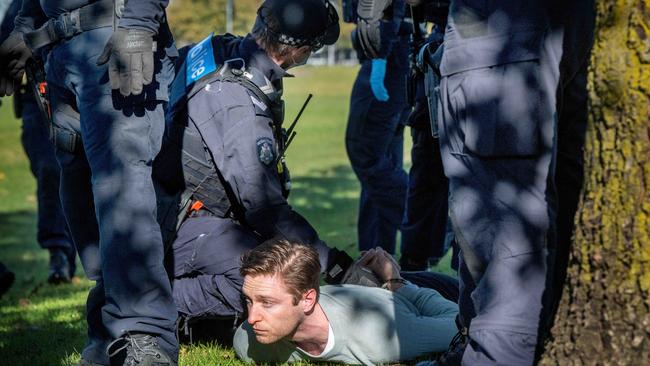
x: 96, y: 15
x: 92, y: 16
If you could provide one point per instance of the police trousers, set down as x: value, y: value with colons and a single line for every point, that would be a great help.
x: 205, y: 261
x: 374, y: 140
x: 503, y: 133
x: 52, y: 230
x: 107, y: 193
x: 425, y: 219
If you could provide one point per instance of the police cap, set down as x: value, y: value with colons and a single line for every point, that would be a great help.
x: 300, y: 22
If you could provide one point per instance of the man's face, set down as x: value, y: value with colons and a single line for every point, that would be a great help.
x: 271, y: 310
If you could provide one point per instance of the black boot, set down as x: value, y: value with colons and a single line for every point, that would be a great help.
x: 138, y: 350
x: 6, y: 279
x: 59, y: 266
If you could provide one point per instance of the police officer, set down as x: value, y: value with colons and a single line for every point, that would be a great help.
x: 6, y: 276
x: 424, y: 229
x: 52, y: 231
x: 221, y: 175
x: 378, y: 110
x: 108, y: 69
x: 509, y: 70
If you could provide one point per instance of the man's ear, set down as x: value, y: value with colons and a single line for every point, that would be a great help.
x: 309, y: 300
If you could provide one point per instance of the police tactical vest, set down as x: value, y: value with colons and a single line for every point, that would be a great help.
x: 204, y: 187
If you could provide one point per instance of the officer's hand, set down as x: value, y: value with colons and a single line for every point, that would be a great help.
x: 14, y: 53
x: 377, y: 74
x: 6, y: 85
x: 130, y: 52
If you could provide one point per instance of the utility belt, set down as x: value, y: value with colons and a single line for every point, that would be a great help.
x: 100, y: 14
x: 103, y: 13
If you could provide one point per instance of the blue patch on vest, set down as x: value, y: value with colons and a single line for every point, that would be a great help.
x: 200, y: 61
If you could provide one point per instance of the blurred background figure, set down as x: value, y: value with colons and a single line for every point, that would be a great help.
x: 52, y: 230
x: 378, y: 110
x: 426, y: 234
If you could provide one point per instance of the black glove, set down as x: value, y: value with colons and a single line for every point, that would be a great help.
x: 14, y: 53
x: 131, y: 60
x: 6, y: 85
x: 338, y: 263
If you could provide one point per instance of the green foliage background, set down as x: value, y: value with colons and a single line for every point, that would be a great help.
x: 193, y: 20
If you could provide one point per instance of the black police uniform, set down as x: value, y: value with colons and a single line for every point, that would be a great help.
x: 210, y: 242
x: 220, y: 165
x: 513, y: 115
x: 424, y: 228
x: 107, y: 193
x: 374, y: 136
x: 52, y: 230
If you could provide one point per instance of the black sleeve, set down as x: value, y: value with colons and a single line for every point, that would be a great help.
x: 30, y: 17
x: 143, y: 14
x: 251, y: 169
x: 241, y: 140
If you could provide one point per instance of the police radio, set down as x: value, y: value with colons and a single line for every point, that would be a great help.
x: 285, y: 140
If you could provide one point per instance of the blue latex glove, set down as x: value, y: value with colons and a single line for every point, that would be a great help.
x: 377, y: 73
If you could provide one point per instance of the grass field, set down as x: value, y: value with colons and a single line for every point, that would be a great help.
x: 42, y: 324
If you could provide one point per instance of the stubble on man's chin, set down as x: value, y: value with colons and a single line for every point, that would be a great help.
x: 265, y: 339
x: 268, y: 339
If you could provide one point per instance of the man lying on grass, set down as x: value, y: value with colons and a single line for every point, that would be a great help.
x: 292, y: 318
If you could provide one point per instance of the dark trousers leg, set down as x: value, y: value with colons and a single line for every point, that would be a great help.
x: 571, y: 129
x: 447, y: 286
x: 206, y: 261
x: 52, y: 230
x: 121, y: 136
x: 77, y: 202
x: 425, y: 220
x: 498, y: 200
x: 374, y: 142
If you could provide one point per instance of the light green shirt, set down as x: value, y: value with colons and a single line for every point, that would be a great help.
x: 370, y: 326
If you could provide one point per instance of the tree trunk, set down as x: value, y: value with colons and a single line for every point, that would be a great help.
x: 604, y: 314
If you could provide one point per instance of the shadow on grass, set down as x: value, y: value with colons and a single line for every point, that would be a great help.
x: 40, y: 324
x: 19, y: 250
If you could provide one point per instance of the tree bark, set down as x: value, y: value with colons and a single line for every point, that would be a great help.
x: 604, y: 314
